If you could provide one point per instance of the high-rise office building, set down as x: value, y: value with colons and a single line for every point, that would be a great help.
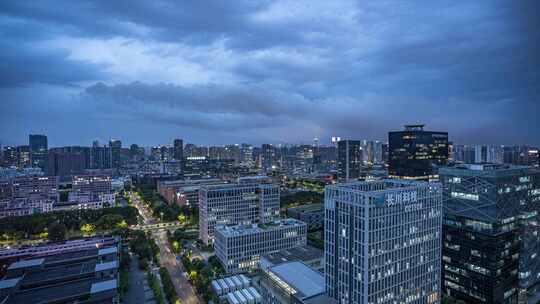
x: 66, y: 162
x: 38, y: 150
x: 247, y: 201
x: 383, y: 242
x: 116, y: 149
x: 100, y: 156
x: 491, y: 236
x: 268, y: 157
x: 349, y: 159
x: 23, y: 157
x: 178, y: 146
x: 10, y: 156
x: 415, y: 153
x: 246, y: 153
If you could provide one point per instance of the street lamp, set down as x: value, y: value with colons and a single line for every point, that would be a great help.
x: 161, y: 215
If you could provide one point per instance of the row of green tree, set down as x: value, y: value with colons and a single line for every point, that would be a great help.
x: 168, y: 286
x: 178, y: 239
x: 36, y: 224
x: 144, y: 247
x: 155, y: 286
x: 200, y: 275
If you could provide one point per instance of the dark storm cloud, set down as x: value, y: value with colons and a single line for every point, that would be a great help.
x: 280, y: 70
x: 21, y: 66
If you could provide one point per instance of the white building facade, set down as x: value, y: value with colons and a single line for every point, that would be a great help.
x: 240, y: 247
x: 239, y: 203
x: 383, y: 242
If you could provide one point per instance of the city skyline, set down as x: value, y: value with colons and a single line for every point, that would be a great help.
x: 150, y: 72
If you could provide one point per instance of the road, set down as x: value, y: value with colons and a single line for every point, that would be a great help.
x: 135, y: 293
x: 183, y: 288
x: 185, y: 291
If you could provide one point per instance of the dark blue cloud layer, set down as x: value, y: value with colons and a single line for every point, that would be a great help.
x: 299, y: 70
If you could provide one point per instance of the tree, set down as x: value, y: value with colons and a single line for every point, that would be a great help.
x: 57, y: 232
x: 109, y: 221
x: 87, y: 229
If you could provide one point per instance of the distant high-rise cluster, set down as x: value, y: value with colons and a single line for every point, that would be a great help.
x: 416, y: 219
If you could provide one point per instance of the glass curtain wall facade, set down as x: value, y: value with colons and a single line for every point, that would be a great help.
x: 383, y: 242
x: 415, y: 153
x: 491, y: 234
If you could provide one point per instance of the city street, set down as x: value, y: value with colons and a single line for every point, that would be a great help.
x: 135, y: 294
x: 185, y: 291
x: 183, y: 288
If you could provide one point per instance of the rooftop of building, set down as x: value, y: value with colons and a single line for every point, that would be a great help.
x: 238, y: 185
x: 26, y: 263
x: 61, y: 247
x: 189, y: 182
x: 60, y: 276
x: 308, y: 208
x: 487, y: 169
x: 300, y: 253
x: 301, y: 278
x: 378, y: 186
x: 62, y: 292
x: 319, y: 299
x: 246, y: 229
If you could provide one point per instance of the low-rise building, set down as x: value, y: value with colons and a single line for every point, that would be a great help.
x: 24, y: 206
x: 311, y: 256
x: 90, y: 192
x: 76, y: 276
x: 312, y: 215
x: 28, y: 195
x: 293, y: 282
x: 11, y: 255
x: 184, y: 192
x: 240, y: 247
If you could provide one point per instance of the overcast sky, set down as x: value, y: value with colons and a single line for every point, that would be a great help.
x: 216, y: 72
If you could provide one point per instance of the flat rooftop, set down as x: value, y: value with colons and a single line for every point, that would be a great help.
x: 306, y: 281
x: 238, y: 230
x: 487, y: 169
x: 26, y: 264
x: 301, y: 253
x: 55, y: 273
x: 380, y: 186
x: 63, y: 292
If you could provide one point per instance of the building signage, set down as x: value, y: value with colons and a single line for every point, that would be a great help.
x: 399, y: 198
